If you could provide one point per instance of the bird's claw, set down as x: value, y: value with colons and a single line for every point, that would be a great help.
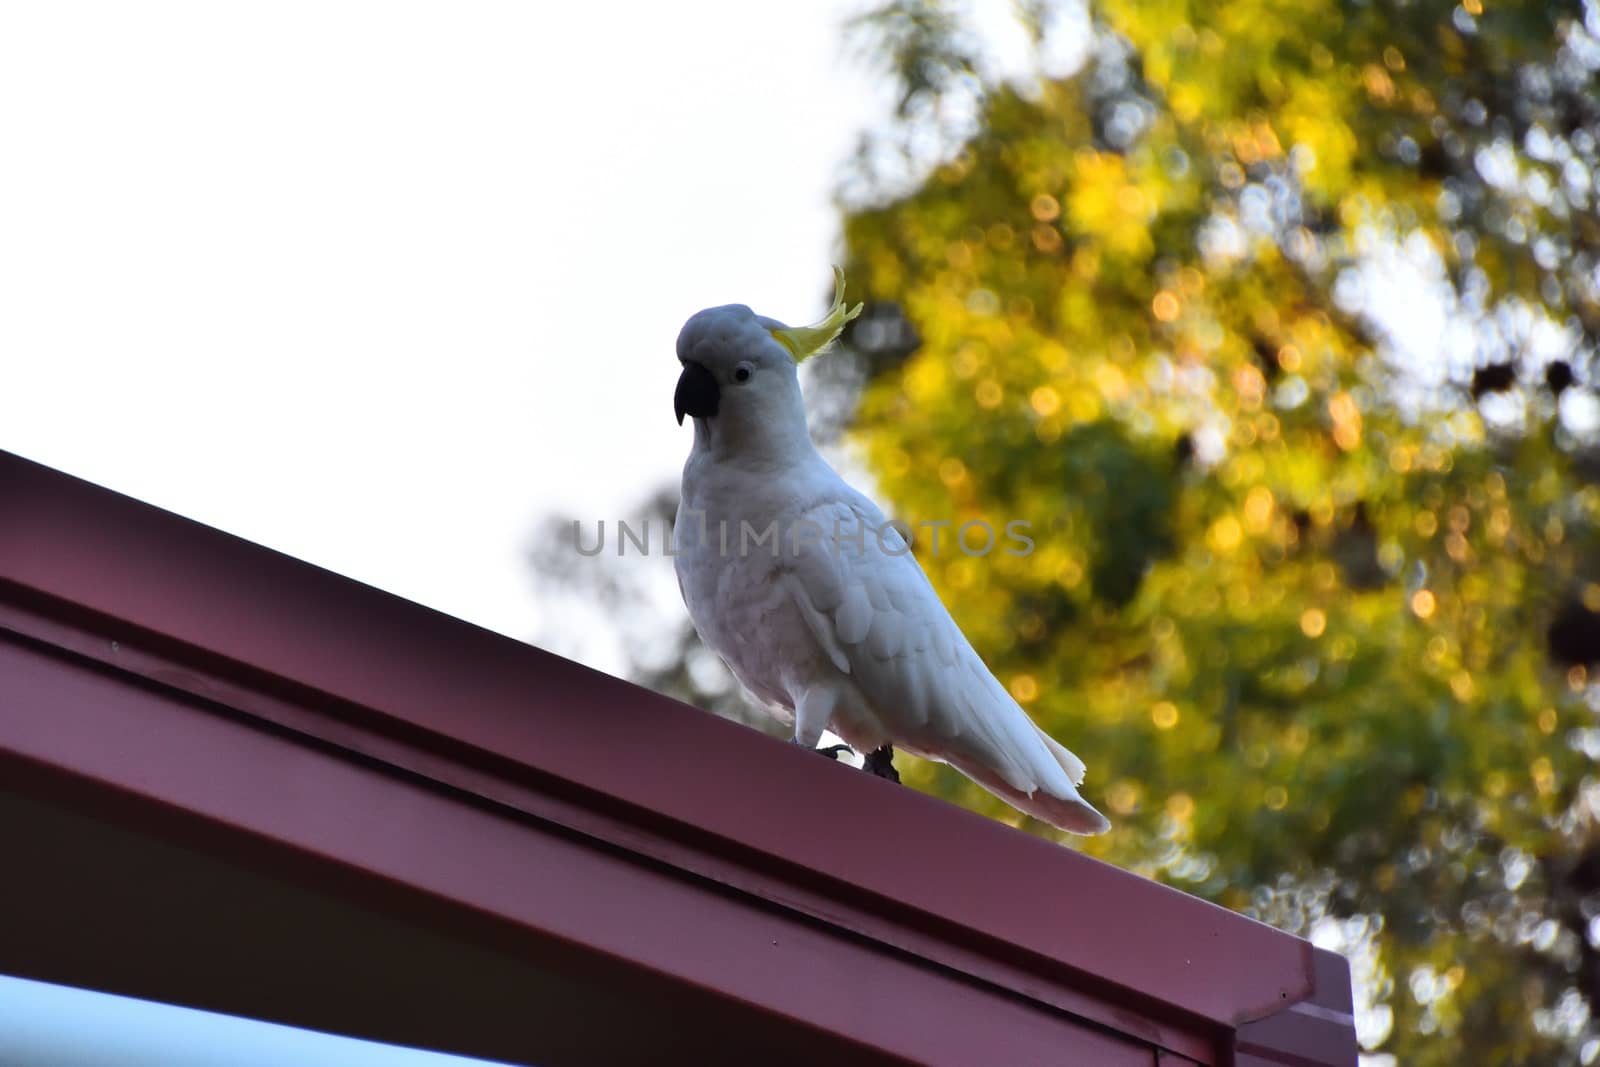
x: 880, y: 763
x: 832, y: 751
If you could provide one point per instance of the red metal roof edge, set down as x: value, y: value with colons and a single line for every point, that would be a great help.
x: 509, y: 787
x: 256, y: 611
x: 96, y: 741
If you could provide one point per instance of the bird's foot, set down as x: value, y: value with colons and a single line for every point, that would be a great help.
x: 880, y: 763
x: 832, y: 751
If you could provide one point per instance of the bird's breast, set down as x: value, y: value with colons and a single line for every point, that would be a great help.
x: 739, y: 605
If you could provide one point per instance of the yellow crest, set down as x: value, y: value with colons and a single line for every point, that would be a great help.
x: 803, y: 342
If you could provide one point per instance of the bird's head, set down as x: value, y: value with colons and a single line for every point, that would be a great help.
x: 739, y: 378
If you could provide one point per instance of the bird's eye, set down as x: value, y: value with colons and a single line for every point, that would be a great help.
x: 742, y: 372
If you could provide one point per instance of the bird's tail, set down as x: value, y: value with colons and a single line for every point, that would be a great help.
x: 1061, y: 807
x: 1069, y: 762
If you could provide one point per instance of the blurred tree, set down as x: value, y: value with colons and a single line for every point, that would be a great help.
x: 1278, y: 321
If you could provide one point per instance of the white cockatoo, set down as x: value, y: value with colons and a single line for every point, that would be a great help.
x: 814, y: 600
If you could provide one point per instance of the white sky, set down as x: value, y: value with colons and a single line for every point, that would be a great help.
x: 377, y: 285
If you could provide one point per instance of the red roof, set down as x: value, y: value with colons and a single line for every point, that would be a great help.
x: 435, y: 835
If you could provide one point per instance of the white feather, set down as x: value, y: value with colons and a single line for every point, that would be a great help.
x: 847, y: 633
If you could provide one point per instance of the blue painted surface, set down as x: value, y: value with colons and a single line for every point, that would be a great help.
x: 43, y: 1025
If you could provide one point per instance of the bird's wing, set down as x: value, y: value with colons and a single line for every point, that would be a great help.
x: 874, y: 613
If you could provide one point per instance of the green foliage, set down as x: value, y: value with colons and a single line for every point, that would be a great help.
x: 1318, y: 610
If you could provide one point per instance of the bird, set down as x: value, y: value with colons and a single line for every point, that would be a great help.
x: 814, y: 599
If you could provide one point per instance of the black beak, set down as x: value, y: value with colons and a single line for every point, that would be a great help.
x: 698, y: 393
